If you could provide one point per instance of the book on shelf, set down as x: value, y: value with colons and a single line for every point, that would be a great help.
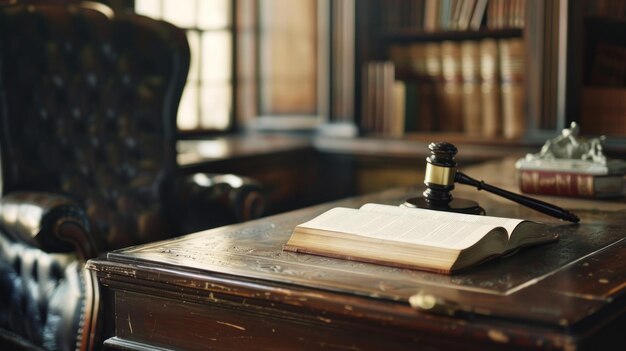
x: 425, y: 88
x: 490, y: 87
x: 472, y: 102
x: 571, y: 177
x: 474, y: 87
x: 506, y: 14
x: 467, y: 9
x: 383, y: 100
x: 437, y: 241
x: 411, y: 106
x: 451, y: 15
x: 478, y: 15
x: 451, y: 112
x: 456, y: 14
x: 511, y: 56
x: 431, y: 20
x: 445, y: 13
x: 433, y: 83
x: 378, y: 77
x: 398, y: 110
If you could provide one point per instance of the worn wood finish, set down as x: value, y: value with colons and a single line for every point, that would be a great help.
x: 233, y: 287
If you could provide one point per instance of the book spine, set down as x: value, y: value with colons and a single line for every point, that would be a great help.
x: 451, y: 89
x: 425, y: 96
x: 511, y: 55
x: 472, y: 96
x: 398, y: 108
x: 433, y: 85
x: 556, y: 183
x: 490, y: 88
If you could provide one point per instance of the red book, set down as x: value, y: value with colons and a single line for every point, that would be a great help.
x: 561, y: 183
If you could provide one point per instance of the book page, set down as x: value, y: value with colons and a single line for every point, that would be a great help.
x: 402, y: 228
x: 508, y: 223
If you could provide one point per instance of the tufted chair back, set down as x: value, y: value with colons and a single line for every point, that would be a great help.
x: 88, y: 106
x: 88, y: 110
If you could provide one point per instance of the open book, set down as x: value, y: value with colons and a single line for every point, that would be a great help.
x: 415, y: 238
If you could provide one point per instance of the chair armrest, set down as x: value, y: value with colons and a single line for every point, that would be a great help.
x: 208, y: 200
x: 48, y: 296
x: 50, y: 222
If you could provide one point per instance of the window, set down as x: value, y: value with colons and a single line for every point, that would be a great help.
x: 207, y: 100
x: 282, y: 63
x: 262, y: 64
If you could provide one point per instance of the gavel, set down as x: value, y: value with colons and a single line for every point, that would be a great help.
x: 442, y: 173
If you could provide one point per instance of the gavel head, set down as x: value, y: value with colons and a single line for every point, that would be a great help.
x: 440, y: 176
x: 440, y: 173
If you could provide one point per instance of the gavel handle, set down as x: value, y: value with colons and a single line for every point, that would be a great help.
x: 535, y: 204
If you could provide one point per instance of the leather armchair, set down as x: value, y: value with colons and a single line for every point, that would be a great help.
x: 88, y: 104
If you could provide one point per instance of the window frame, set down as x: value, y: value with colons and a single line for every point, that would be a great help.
x: 237, y: 120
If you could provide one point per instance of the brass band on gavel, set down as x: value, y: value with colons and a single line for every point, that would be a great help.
x: 439, y: 175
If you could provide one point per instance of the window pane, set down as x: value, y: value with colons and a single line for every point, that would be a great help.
x: 216, y: 56
x: 188, y: 109
x: 213, y: 14
x: 207, y: 99
x: 193, y: 37
x: 180, y: 13
x: 150, y: 8
x: 215, y: 106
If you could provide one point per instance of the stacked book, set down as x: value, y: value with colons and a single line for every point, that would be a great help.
x: 572, y: 177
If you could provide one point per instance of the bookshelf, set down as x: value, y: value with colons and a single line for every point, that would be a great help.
x: 603, y: 88
x: 443, y: 67
x: 515, y: 73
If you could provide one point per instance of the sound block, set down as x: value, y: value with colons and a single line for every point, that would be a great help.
x: 456, y: 205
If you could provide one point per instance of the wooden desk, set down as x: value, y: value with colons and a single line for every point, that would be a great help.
x: 233, y: 288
